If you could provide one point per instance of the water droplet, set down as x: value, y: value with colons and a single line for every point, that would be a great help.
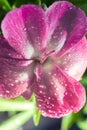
x: 1, y: 95
x: 50, y: 111
x: 69, y: 55
x: 43, y: 113
x: 55, y: 94
x: 24, y: 29
x: 55, y: 74
x: 7, y: 91
x: 72, y: 107
x: 16, y: 81
x: 61, y: 33
x: 41, y: 86
x: 11, y: 84
x: 32, y: 27
x: 86, y: 29
x: 55, y: 37
x: 65, y: 84
x: 55, y: 114
x: 51, y: 83
x: 62, y: 5
x: 39, y: 105
x: 67, y: 111
x: 66, y: 69
x: 52, y: 105
x: 57, y: 89
x: 59, y: 111
x: 49, y: 97
x: 47, y: 103
x: 49, y: 73
x: 41, y: 92
x: 65, y: 93
x: 70, y: 8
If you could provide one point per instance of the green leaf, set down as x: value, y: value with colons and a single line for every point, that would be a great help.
x: 85, y: 109
x: 69, y: 120
x: 4, y: 4
x: 11, y: 113
x: 83, y: 81
x: 38, y: 2
x: 16, y: 121
x: 81, y: 4
x: 14, y: 105
x: 82, y: 124
x: 36, y: 117
x: 18, y: 3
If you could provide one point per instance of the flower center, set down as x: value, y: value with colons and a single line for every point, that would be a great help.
x: 46, y: 55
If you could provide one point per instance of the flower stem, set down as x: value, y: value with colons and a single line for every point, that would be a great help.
x: 16, y: 121
x: 39, y: 2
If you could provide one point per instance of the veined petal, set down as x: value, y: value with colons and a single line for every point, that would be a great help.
x: 67, y: 25
x: 15, y: 77
x: 6, y: 51
x: 58, y: 94
x: 25, y: 30
x: 74, y: 61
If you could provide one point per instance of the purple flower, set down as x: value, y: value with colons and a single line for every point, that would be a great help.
x: 45, y: 53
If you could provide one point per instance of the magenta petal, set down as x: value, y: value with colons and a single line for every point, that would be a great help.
x: 67, y: 25
x: 27, y: 94
x: 6, y: 51
x: 25, y: 30
x: 74, y: 61
x: 15, y: 77
x: 57, y: 94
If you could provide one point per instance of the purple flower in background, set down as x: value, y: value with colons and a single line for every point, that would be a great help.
x: 45, y: 53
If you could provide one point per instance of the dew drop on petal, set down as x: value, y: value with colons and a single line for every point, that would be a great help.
x: 1, y: 95
x: 49, y: 97
x: 70, y: 8
x: 7, y: 91
x: 16, y: 81
x: 65, y: 93
x: 65, y: 84
x: 67, y: 111
x: 62, y: 5
x: 41, y: 92
x: 24, y: 29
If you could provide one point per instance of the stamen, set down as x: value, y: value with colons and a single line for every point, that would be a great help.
x: 46, y: 55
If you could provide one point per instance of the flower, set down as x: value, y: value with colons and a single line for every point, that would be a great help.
x: 45, y: 53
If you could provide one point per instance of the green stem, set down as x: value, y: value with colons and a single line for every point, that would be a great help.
x: 5, y: 5
x: 39, y: 2
x: 16, y: 121
x: 12, y: 105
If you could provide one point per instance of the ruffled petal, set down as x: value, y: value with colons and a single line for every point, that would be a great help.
x: 25, y: 30
x: 67, y: 25
x: 15, y: 77
x: 74, y: 61
x: 58, y: 94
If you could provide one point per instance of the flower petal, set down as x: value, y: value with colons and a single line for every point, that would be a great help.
x: 67, y: 25
x: 74, y: 61
x: 26, y: 31
x: 7, y: 51
x: 15, y: 77
x: 27, y: 94
x: 57, y: 94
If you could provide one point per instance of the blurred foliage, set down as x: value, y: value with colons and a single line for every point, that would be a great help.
x: 36, y: 117
x: 18, y: 120
x: 69, y: 120
x: 21, y: 110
